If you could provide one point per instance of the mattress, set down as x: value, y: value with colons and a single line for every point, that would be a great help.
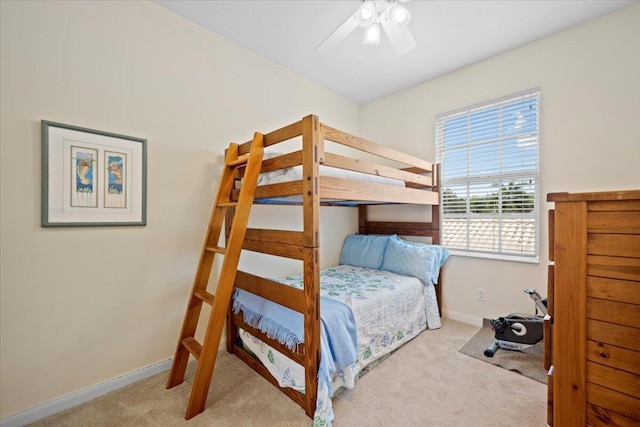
x: 389, y: 310
x: 295, y: 173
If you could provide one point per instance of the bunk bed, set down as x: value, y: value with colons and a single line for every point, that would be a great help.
x: 312, y: 177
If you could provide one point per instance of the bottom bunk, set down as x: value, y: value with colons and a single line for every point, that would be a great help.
x: 380, y: 296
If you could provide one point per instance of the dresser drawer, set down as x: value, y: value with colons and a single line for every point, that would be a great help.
x: 616, y: 335
x: 615, y: 357
x: 615, y: 245
x: 616, y: 221
x: 625, y: 406
x: 620, y: 313
x: 613, y: 267
x: 551, y: 234
x: 548, y: 321
x: 548, y: 359
x: 550, y: 397
x: 614, y: 379
x: 597, y: 416
x: 626, y: 291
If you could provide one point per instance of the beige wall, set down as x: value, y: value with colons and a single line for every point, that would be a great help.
x: 81, y: 306
x: 589, y: 78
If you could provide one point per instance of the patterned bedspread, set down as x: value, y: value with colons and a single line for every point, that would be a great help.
x: 389, y: 310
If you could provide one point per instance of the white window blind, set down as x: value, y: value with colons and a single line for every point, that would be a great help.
x: 489, y: 177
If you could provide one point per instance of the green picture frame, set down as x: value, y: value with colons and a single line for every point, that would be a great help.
x: 92, y: 178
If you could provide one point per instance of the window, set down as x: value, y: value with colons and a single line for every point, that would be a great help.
x: 489, y: 178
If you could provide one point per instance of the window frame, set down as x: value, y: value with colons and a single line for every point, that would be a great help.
x: 500, y: 176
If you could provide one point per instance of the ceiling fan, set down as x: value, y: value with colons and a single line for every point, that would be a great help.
x: 372, y: 15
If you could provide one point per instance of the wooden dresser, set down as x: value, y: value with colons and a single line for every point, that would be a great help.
x: 592, y: 333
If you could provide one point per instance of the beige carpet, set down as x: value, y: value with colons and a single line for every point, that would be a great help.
x: 427, y: 382
x: 527, y: 362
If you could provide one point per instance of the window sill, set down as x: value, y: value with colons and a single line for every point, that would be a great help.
x: 499, y: 257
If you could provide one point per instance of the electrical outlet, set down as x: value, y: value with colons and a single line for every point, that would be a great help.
x: 481, y: 294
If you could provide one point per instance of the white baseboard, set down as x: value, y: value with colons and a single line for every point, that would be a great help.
x: 82, y: 396
x: 462, y: 317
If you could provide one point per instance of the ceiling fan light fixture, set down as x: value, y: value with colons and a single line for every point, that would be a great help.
x: 366, y: 14
x: 372, y: 34
x: 375, y: 16
x: 399, y: 15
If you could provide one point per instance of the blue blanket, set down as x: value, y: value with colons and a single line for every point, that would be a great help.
x: 338, y: 338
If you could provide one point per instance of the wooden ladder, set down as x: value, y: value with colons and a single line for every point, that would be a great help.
x: 206, y: 353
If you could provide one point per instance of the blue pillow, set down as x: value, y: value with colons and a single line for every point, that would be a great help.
x: 414, y: 259
x: 364, y: 250
x: 441, y: 256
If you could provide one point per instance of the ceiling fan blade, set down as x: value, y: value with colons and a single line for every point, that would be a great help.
x: 338, y: 35
x: 400, y: 38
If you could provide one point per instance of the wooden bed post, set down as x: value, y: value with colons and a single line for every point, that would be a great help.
x: 362, y: 219
x: 435, y: 209
x: 435, y: 228
x: 232, y: 329
x: 312, y: 152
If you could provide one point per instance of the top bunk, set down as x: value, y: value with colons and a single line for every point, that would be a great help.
x: 380, y: 175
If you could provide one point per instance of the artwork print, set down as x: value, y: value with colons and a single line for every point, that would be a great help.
x: 115, y: 180
x: 83, y: 180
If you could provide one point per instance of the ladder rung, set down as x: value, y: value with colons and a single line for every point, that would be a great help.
x: 216, y: 249
x: 240, y: 161
x: 227, y: 205
x: 205, y: 296
x: 193, y: 346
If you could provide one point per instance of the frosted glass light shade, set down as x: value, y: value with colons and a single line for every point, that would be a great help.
x: 399, y: 16
x: 372, y: 34
x: 366, y: 14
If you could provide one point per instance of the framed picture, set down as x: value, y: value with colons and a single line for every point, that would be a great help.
x: 92, y: 178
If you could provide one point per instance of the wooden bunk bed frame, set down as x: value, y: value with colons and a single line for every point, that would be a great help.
x: 305, y: 245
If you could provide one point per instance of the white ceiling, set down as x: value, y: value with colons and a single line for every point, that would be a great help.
x: 450, y: 35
